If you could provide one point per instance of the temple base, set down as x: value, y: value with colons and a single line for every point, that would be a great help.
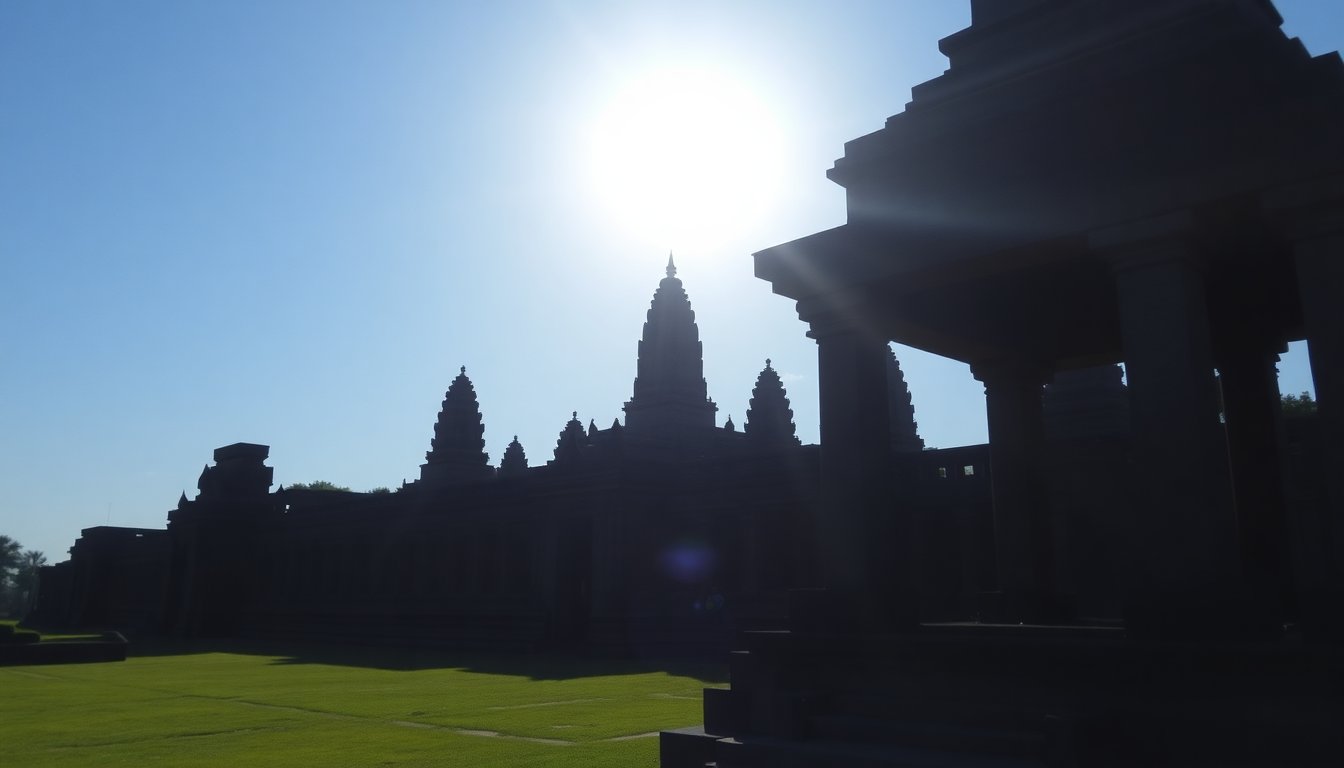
x: 980, y: 694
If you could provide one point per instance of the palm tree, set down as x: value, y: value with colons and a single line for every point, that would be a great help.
x: 11, y: 554
x: 27, y: 581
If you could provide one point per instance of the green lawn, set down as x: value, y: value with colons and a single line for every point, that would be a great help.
x: 325, y: 707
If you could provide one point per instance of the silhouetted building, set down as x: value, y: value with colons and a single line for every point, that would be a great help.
x: 666, y: 534
x: 1153, y: 182
x: 115, y: 577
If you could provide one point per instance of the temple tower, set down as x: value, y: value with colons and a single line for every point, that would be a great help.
x: 769, y: 417
x: 457, y: 452
x: 901, y: 411
x: 514, y: 461
x: 239, y: 473
x: 569, y: 446
x: 670, y: 393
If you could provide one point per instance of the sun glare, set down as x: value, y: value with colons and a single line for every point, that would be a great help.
x: 689, y: 157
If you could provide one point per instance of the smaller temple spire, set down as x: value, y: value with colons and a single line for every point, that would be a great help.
x: 671, y: 267
x: 572, y: 440
x: 769, y: 417
x: 514, y: 462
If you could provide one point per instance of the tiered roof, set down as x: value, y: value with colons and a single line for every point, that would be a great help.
x: 514, y: 461
x: 901, y: 411
x: 572, y: 440
x: 769, y: 417
x: 670, y: 391
x: 457, y: 451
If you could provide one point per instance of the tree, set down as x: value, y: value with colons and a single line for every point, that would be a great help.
x: 11, y: 558
x: 318, y: 485
x: 1299, y: 405
x: 11, y: 552
x: 30, y: 565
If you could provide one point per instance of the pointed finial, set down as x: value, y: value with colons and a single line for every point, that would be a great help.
x: 671, y: 268
x: 767, y: 362
x: 462, y: 370
x: 574, y: 416
x: 515, y: 438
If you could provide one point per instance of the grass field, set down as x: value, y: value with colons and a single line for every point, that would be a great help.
x: 329, y: 707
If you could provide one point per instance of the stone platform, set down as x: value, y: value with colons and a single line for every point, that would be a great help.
x: 1014, y: 695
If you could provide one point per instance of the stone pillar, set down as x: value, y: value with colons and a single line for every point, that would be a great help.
x: 1312, y: 217
x: 863, y: 550
x: 1183, y: 540
x: 1022, y: 519
x: 1320, y: 276
x: 1252, y: 413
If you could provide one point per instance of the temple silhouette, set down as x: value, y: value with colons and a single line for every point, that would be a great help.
x: 663, y: 535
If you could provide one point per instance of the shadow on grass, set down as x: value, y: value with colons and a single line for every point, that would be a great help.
x: 533, y: 665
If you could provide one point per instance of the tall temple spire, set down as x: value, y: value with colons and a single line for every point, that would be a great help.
x: 769, y: 417
x: 456, y: 452
x: 670, y: 394
x: 900, y: 410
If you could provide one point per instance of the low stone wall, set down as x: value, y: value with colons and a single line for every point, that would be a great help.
x: 110, y: 647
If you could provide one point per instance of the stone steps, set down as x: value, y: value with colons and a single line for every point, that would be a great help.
x: 693, y: 747
x: 930, y: 734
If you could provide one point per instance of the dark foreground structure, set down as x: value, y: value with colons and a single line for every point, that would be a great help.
x: 1153, y: 182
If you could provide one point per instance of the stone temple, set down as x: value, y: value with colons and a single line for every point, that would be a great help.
x: 666, y: 534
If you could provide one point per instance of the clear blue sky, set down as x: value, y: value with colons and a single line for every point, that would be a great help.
x: 290, y: 222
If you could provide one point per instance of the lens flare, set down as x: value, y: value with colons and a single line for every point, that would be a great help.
x: 688, y: 562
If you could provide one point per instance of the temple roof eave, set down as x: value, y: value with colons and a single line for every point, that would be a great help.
x: 831, y: 261
x: 790, y: 267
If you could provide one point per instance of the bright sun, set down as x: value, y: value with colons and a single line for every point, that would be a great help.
x: 687, y: 156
